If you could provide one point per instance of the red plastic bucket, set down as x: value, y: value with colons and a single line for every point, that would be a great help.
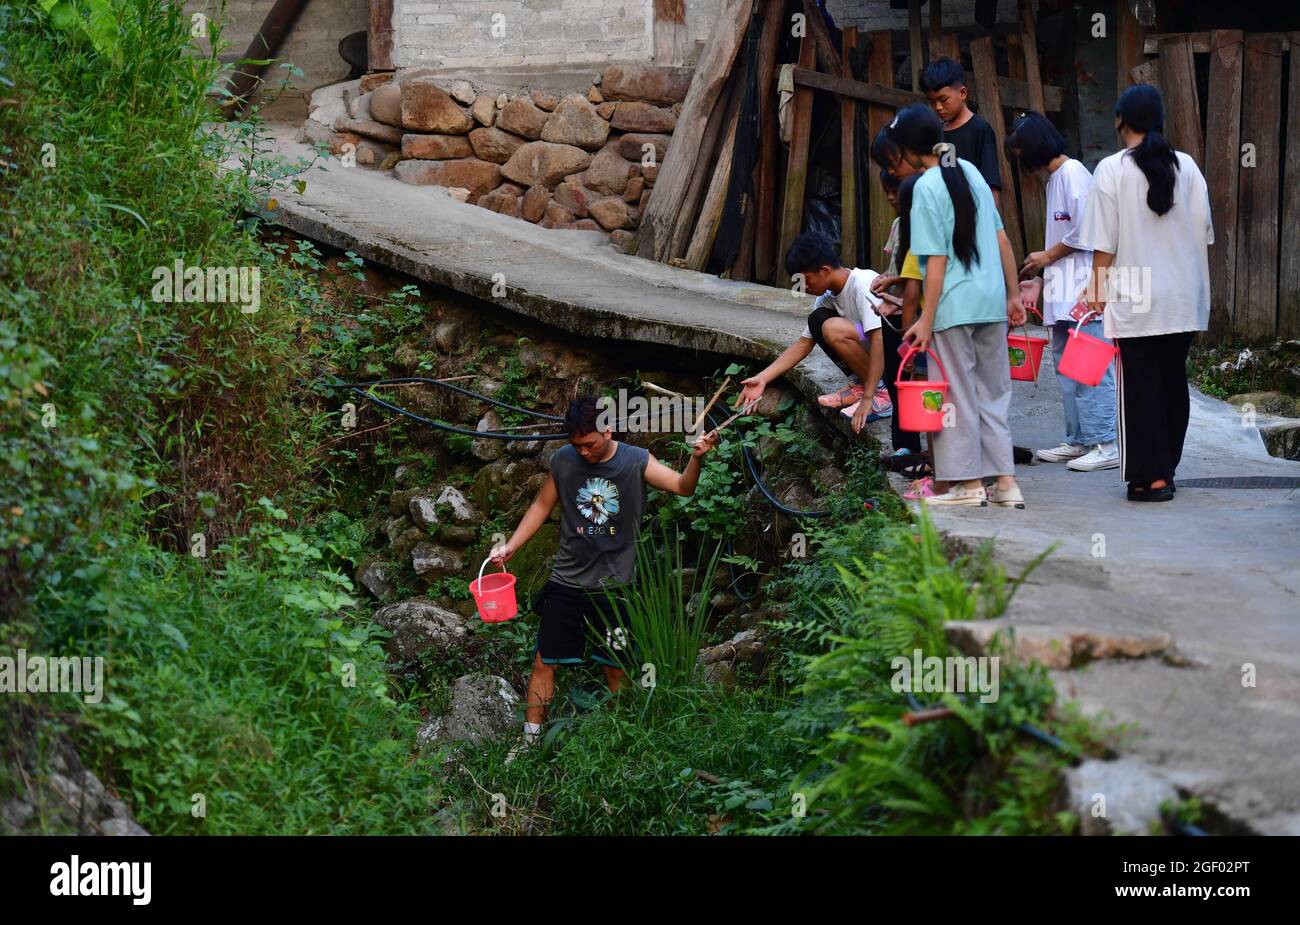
x: 494, y: 595
x: 1085, y: 358
x: 921, y: 401
x: 1025, y: 354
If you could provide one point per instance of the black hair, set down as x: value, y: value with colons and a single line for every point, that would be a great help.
x: 581, y: 416
x: 810, y: 251
x: 917, y: 129
x: 940, y: 73
x: 905, y: 218
x: 1142, y: 109
x: 1034, y: 142
x: 883, y: 150
x: 889, y: 180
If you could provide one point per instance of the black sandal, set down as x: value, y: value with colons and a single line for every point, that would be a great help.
x: 1142, y: 491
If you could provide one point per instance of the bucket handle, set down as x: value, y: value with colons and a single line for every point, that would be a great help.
x: 483, y: 566
x: 1084, y: 319
x: 907, y: 356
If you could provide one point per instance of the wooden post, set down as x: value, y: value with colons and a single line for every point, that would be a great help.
x: 848, y: 161
x: 880, y: 69
x: 826, y: 55
x: 1033, y: 197
x: 986, y: 77
x: 721, y: 117
x: 680, y: 160
x: 670, y: 37
x: 914, y: 38
x: 379, y: 36
x: 1222, y: 161
x: 936, y: 30
x: 1182, y: 107
x: 1129, y: 34
x: 706, y: 232
x: 1288, y: 308
x: 1033, y: 75
x: 796, y: 174
x: 1257, y: 254
x: 765, y: 232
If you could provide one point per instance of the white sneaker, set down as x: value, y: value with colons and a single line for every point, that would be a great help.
x: 1103, y: 456
x: 1063, y: 452
x: 1011, y: 497
x: 959, y: 494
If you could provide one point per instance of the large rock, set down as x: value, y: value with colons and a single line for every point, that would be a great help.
x: 533, y: 206
x: 521, y: 117
x: 1120, y: 797
x: 369, y: 128
x: 504, y: 199
x: 608, y: 173
x: 484, y: 707
x: 418, y: 625
x: 1287, y: 406
x: 493, y: 144
x: 543, y: 100
x: 484, y: 109
x: 613, y: 213
x: 426, y: 107
x: 654, y: 83
x: 436, y: 147
x: 477, y: 176
x: 375, y: 574
x: 576, y: 122
x: 329, y: 103
x: 386, y: 105
x: 574, y: 197
x: 556, y: 214
x: 545, y: 163
x: 485, y: 448
x: 632, y: 146
x: 433, y: 563
x: 642, y: 117
x: 453, y: 505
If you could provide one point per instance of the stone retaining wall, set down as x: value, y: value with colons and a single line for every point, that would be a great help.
x: 586, y: 161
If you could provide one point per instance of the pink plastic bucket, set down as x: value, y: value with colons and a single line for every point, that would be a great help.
x: 921, y: 401
x: 1085, y: 358
x: 494, y: 595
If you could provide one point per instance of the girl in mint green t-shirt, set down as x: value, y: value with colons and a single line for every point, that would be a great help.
x: 970, y: 289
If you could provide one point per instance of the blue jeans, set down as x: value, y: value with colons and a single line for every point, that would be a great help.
x: 1089, y: 410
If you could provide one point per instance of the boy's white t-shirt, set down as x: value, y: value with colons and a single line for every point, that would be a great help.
x: 1064, y: 279
x: 854, y: 302
x: 1160, y: 281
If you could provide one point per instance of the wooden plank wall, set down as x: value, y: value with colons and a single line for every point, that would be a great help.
x: 1257, y: 226
x: 1288, y: 304
x: 1222, y: 160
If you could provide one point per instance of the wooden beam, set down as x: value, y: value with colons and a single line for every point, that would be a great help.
x: 766, y: 239
x: 1222, y: 161
x: 1182, y: 106
x: 937, y: 49
x: 1033, y: 76
x: 848, y: 159
x: 875, y: 92
x: 671, y: 41
x: 1033, y: 198
x: 1129, y: 34
x: 719, y: 119
x: 1288, y: 303
x: 1257, y: 219
x: 914, y: 40
x: 263, y: 47
x: 1203, y: 42
x: 706, y: 232
x: 827, y: 58
x: 680, y: 160
x: 982, y: 59
x: 1015, y: 93
x: 379, y: 36
x: 796, y: 174
x: 1148, y: 72
x: 880, y: 69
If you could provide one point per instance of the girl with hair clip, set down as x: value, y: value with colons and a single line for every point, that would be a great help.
x: 970, y: 289
x: 1148, y: 225
x: 1039, y: 149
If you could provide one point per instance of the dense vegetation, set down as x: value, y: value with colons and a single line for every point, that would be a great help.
x: 134, y: 428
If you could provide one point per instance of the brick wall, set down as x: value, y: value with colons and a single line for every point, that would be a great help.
x: 311, y: 46
x: 520, y: 33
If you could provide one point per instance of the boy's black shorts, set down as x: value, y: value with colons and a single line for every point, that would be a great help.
x: 570, y: 617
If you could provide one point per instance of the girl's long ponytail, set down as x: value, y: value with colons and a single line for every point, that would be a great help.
x: 963, y: 210
x: 1142, y: 109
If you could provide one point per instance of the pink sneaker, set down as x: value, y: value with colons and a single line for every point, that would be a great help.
x: 921, y: 489
x: 849, y: 395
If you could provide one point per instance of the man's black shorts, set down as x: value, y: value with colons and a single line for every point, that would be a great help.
x: 571, y: 617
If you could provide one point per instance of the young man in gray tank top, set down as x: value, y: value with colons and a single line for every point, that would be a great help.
x: 599, y: 484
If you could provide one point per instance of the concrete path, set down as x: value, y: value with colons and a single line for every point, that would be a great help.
x: 1217, y: 570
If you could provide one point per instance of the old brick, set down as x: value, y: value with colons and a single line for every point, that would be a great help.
x: 493, y: 144
x: 654, y: 83
x: 545, y: 163
x: 426, y: 107
x: 522, y: 118
x: 436, y: 147
x: 635, y: 116
x: 474, y: 175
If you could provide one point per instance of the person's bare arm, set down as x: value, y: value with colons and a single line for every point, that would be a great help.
x: 530, y: 523
x: 1040, y: 259
x: 1096, y: 294
x: 1015, y: 310
x: 911, y: 302
x: 918, y: 335
x: 659, y: 476
x: 752, y: 388
x: 875, y: 366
